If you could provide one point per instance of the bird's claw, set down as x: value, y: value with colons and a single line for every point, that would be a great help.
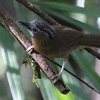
x: 55, y: 78
x: 29, y: 50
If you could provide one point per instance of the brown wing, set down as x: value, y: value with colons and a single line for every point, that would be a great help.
x: 66, y: 39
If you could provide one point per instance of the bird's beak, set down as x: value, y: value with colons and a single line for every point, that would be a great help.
x: 26, y: 24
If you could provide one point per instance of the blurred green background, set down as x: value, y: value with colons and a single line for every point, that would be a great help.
x: 16, y: 80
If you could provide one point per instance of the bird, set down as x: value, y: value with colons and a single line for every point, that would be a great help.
x: 58, y: 41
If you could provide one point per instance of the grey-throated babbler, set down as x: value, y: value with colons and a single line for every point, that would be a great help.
x: 58, y: 41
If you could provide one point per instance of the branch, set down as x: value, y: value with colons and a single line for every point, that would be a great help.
x: 50, y: 20
x: 38, y: 12
x: 93, y: 52
x: 15, y: 31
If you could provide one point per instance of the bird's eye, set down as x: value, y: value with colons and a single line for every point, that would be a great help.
x: 35, y: 29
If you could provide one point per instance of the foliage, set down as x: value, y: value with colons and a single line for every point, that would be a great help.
x: 62, y: 11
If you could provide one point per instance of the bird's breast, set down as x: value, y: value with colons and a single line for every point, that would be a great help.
x: 41, y: 46
x: 51, y: 49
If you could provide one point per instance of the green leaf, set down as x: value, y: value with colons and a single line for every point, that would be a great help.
x: 13, y: 69
x: 87, y: 68
x: 73, y: 21
x: 46, y: 88
x: 76, y: 92
x: 95, y: 12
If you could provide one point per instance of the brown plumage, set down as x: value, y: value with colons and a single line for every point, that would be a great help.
x: 60, y: 46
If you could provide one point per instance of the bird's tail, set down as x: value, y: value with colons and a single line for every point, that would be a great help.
x: 90, y: 40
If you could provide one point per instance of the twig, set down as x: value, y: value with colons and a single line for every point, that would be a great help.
x: 2, y: 25
x: 15, y: 31
x: 93, y: 52
x: 38, y: 12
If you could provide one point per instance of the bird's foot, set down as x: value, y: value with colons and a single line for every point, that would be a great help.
x: 55, y: 78
x: 29, y: 50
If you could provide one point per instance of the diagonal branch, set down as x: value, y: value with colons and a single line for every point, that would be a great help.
x: 37, y: 11
x: 93, y: 52
x: 15, y: 31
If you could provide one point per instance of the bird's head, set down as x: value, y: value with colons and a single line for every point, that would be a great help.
x: 39, y: 29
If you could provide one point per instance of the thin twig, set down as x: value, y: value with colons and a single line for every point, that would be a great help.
x: 93, y: 52
x: 2, y: 25
x: 38, y: 11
